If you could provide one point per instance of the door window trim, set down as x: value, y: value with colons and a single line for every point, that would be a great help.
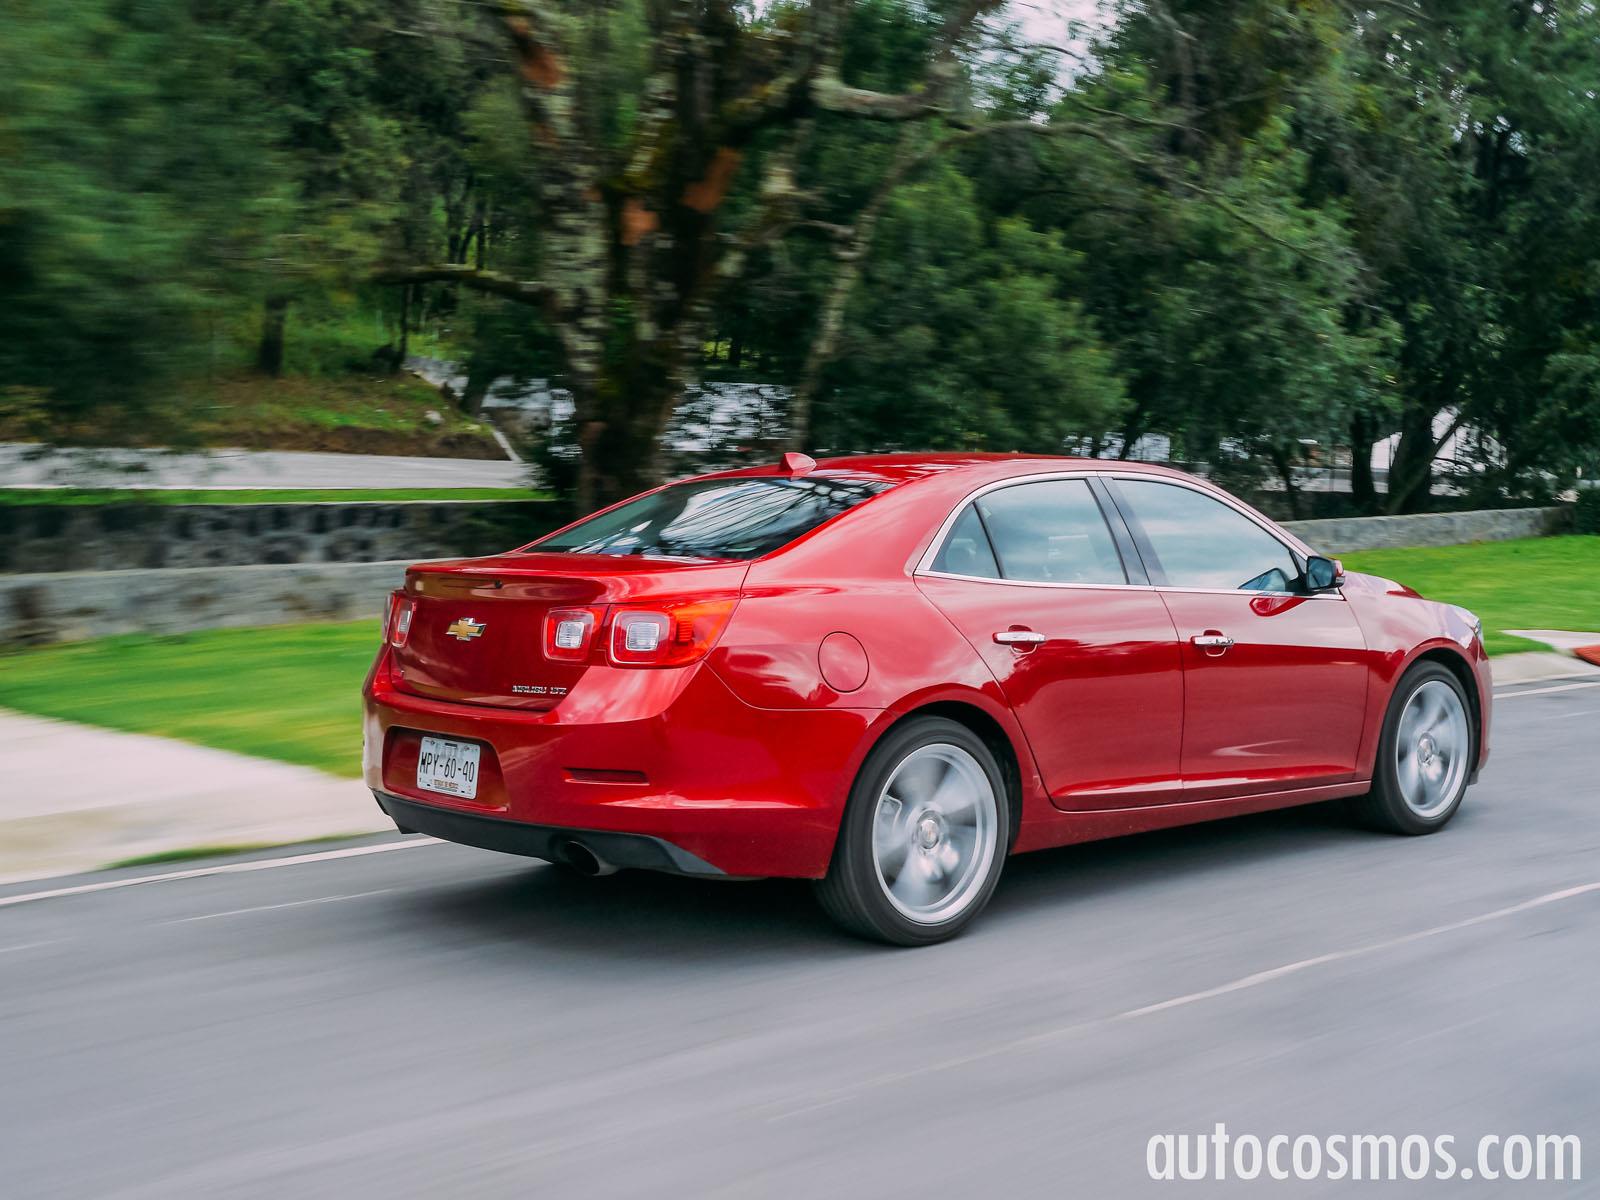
x: 1123, y: 525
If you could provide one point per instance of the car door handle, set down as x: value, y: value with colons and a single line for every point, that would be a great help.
x: 1212, y: 643
x: 1024, y: 639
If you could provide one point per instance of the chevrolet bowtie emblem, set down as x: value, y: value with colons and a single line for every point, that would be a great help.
x: 466, y: 629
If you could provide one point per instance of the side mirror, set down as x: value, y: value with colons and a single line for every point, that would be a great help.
x: 1323, y: 574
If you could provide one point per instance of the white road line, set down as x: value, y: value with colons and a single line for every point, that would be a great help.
x: 1257, y: 979
x: 1260, y: 977
x: 235, y: 912
x: 262, y: 864
x: 25, y: 946
x: 1565, y: 687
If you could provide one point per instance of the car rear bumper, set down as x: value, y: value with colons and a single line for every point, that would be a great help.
x: 550, y: 842
x: 699, y: 781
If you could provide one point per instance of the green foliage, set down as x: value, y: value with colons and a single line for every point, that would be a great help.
x: 1007, y: 359
x: 1261, y: 231
x: 135, y: 186
x: 1463, y: 143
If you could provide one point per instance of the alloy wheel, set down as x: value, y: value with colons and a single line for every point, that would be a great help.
x: 1432, y: 746
x: 934, y: 833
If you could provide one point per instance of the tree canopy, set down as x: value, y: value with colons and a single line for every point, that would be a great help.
x: 1262, y: 236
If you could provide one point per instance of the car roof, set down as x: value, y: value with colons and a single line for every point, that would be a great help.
x: 909, y: 467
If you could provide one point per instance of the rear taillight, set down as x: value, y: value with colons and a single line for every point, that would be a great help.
x: 397, y: 621
x: 569, y: 633
x: 667, y: 635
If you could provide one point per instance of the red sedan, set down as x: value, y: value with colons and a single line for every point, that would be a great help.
x: 887, y: 674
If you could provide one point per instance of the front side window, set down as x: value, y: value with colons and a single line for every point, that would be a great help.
x: 1203, y: 543
x: 1051, y: 531
x: 717, y: 518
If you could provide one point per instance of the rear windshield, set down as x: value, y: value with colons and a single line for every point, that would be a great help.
x: 717, y: 518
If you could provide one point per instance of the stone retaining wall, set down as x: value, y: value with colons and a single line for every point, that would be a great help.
x: 1347, y: 534
x: 120, y: 537
x: 69, y: 606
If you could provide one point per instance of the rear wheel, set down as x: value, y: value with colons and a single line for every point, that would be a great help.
x: 1425, y: 755
x: 923, y: 839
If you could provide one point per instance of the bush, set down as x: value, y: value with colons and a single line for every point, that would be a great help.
x: 1586, y: 513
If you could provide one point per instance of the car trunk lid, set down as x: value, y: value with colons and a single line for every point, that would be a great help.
x: 477, y: 632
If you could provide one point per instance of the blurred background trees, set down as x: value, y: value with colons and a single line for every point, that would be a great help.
x: 1247, y: 236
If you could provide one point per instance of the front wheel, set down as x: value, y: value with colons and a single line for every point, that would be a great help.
x: 923, y: 839
x: 1425, y: 755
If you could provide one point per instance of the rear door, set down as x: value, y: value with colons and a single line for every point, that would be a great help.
x: 1033, y: 576
x: 1275, y: 681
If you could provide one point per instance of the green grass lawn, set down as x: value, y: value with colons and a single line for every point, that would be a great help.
x: 1531, y: 583
x: 84, y: 496
x: 349, y: 411
x: 290, y: 692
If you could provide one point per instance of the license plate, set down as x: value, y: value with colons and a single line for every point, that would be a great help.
x: 448, y: 767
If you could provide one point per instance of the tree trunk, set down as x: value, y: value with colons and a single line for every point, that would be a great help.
x: 622, y: 412
x: 1411, y: 471
x: 619, y: 451
x: 825, y: 341
x: 1132, y: 431
x: 1284, y: 466
x: 480, y: 374
x: 406, y: 294
x: 269, y: 352
x: 1363, y: 491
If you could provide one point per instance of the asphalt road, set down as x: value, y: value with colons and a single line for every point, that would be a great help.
x: 436, y: 1021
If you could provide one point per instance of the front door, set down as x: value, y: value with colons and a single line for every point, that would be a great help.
x: 1032, y: 577
x: 1275, y: 681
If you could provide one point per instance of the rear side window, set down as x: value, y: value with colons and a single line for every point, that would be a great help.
x: 966, y: 550
x: 1203, y: 543
x: 1051, y: 532
x: 717, y: 518
x: 1046, y: 532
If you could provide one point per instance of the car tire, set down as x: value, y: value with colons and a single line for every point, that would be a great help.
x: 1425, y: 755
x: 924, y: 836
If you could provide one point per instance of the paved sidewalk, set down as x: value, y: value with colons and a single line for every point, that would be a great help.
x: 1535, y: 666
x: 25, y: 466
x: 76, y: 798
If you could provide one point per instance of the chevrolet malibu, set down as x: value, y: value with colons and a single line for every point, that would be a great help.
x: 888, y: 674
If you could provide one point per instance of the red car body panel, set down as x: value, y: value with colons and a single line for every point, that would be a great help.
x: 1102, y: 701
x: 1284, y: 707
x: 744, y: 760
